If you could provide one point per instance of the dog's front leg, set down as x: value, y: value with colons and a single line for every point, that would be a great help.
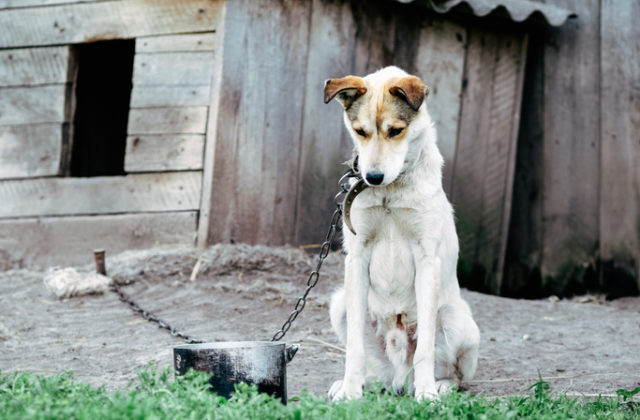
x: 427, y: 286
x: 356, y: 292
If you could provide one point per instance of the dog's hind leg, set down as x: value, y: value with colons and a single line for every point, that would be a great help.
x: 457, y: 340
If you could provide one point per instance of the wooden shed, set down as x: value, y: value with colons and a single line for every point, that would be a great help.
x: 133, y: 123
x: 104, y: 108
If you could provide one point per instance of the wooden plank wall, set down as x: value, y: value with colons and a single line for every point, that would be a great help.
x: 102, y: 20
x: 33, y: 86
x: 54, y: 241
x: 576, y: 218
x: 158, y: 201
x: 276, y: 186
x: 258, y: 136
x: 169, y: 102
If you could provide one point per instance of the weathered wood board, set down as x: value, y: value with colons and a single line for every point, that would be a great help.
x: 571, y: 152
x: 485, y: 153
x: 170, y: 96
x: 500, y: 166
x: 169, y: 152
x: 32, y: 105
x: 172, y: 191
x: 25, y: 3
x: 34, y: 66
x: 177, y: 68
x: 620, y: 148
x: 173, y: 120
x: 523, y: 258
x: 30, y: 150
x: 258, y: 136
x: 324, y: 142
x: 472, y: 138
x: 175, y: 43
x: 440, y: 64
x: 56, y: 241
x: 204, y: 216
x: 103, y: 20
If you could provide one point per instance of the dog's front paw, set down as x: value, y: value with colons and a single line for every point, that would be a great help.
x: 425, y: 391
x: 422, y: 395
x: 345, y: 390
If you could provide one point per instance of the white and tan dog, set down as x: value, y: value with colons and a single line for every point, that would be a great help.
x: 400, y: 314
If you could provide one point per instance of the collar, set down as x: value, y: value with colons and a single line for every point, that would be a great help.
x: 353, y: 192
x: 359, y: 186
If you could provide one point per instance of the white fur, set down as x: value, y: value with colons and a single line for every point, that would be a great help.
x: 403, y: 262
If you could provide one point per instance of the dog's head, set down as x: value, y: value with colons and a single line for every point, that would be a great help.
x: 384, y: 114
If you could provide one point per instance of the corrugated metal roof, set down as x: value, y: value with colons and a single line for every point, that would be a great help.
x: 515, y: 10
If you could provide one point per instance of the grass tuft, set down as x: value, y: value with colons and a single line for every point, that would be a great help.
x: 157, y: 395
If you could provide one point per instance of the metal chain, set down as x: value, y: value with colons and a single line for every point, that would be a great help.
x: 152, y: 317
x: 334, y: 227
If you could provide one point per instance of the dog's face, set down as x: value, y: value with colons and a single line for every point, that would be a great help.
x: 382, y: 113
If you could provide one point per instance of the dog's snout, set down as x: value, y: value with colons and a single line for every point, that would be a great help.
x: 374, y: 178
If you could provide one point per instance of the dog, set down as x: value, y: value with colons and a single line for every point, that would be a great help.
x: 400, y: 314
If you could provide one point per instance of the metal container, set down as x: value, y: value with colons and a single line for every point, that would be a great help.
x: 261, y: 363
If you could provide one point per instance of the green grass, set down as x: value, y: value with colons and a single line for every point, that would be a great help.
x: 156, y: 395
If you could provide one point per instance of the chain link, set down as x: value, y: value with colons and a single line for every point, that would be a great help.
x: 334, y: 227
x: 312, y: 280
x: 153, y: 318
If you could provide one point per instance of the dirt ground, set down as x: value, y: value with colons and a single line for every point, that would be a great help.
x: 581, y: 346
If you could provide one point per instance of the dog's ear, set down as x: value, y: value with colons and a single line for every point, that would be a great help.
x: 411, y: 90
x: 347, y: 90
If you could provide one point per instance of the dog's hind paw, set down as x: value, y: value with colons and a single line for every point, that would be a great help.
x: 337, y: 386
x: 339, y: 391
x: 445, y: 385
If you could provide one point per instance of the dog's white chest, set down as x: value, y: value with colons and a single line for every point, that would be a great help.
x: 391, y: 266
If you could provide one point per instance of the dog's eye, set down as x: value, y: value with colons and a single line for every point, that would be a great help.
x: 394, y: 131
x: 360, y: 132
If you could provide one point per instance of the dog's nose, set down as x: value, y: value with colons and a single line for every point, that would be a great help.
x: 374, y: 178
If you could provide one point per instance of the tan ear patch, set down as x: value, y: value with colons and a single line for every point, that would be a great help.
x: 411, y: 89
x: 348, y: 89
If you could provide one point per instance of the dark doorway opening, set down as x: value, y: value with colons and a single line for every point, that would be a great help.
x: 102, y: 94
